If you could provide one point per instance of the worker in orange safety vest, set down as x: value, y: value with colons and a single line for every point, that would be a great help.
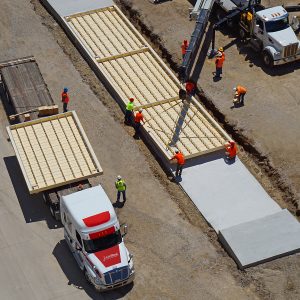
x: 240, y: 93
x: 230, y: 150
x: 219, y: 64
x: 180, y: 162
x: 138, y: 118
x: 190, y: 88
x: 65, y: 99
x: 221, y: 50
x: 184, y: 47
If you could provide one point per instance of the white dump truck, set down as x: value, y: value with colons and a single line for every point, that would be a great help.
x: 94, y: 236
x: 267, y: 29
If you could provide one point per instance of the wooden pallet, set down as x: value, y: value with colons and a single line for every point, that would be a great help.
x: 135, y: 70
x: 53, y: 151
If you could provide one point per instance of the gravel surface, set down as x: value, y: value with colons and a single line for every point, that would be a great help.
x: 177, y: 255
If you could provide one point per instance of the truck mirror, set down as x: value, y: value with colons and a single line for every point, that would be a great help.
x: 130, y: 257
x: 124, y: 228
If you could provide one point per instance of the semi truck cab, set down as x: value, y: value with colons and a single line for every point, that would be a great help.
x: 276, y: 38
x: 95, y: 237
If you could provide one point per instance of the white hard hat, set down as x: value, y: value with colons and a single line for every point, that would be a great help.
x: 140, y: 110
x: 234, y: 89
x: 119, y: 177
x: 176, y: 150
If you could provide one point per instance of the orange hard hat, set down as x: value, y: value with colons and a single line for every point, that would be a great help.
x: 131, y: 99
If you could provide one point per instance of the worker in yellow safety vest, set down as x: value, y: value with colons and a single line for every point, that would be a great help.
x: 121, y: 189
x: 129, y: 112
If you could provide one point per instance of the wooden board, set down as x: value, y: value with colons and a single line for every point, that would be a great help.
x: 25, y: 86
x: 53, y: 151
x: 135, y: 71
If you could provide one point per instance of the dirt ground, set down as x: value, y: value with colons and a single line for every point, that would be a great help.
x: 268, y: 125
x: 177, y: 256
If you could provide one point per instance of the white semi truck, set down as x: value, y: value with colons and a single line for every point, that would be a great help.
x: 267, y: 29
x: 94, y: 236
x: 57, y: 160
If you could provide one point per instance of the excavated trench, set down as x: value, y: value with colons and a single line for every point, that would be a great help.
x: 260, y: 159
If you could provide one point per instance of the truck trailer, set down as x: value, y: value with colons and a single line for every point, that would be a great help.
x: 57, y: 160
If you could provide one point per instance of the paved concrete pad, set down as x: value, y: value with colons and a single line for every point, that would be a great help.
x: 263, y: 239
x: 226, y: 194
x: 69, y: 7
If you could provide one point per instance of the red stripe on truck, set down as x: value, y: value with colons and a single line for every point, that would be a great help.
x: 96, y: 220
x: 109, y: 257
x: 102, y: 233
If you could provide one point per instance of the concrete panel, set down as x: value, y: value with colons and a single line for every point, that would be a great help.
x: 226, y: 194
x: 70, y: 7
x: 263, y: 239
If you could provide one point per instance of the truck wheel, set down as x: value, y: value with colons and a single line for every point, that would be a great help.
x: 52, y: 211
x: 45, y: 199
x: 268, y: 59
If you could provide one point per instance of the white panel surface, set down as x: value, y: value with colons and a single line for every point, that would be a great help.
x: 262, y: 239
x: 226, y: 195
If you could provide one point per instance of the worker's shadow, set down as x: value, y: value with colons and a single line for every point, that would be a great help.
x: 76, y: 277
x: 33, y: 207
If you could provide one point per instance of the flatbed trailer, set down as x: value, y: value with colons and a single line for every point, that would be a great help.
x: 55, y: 156
x: 25, y: 87
x: 54, y: 153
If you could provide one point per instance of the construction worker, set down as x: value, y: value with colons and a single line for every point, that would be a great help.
x: 221, y: 50
x: 121, y: 189
x: 219, y: 64
x: 129, y: 112
x: 139, y: 117
x: 240, y: 93
x: 180, y: 162
x: 65, y: 99
x: 184, y: 47
x: 230, y: 150
x: 190, y: 88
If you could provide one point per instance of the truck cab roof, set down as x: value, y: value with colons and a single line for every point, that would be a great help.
x: 272, y: 14
x: 90, y: 209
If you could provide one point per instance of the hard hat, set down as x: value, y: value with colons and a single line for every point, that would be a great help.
x: 66, y: 90
x: 221, y: 49
x: 140, y: 110
x: 131, y: 99
x: 119, y: 177
x: 176, y: 151
x: 234, y: 89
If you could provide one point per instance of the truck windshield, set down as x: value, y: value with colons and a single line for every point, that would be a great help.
x: 272, y: 26
x: 102, y: 243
